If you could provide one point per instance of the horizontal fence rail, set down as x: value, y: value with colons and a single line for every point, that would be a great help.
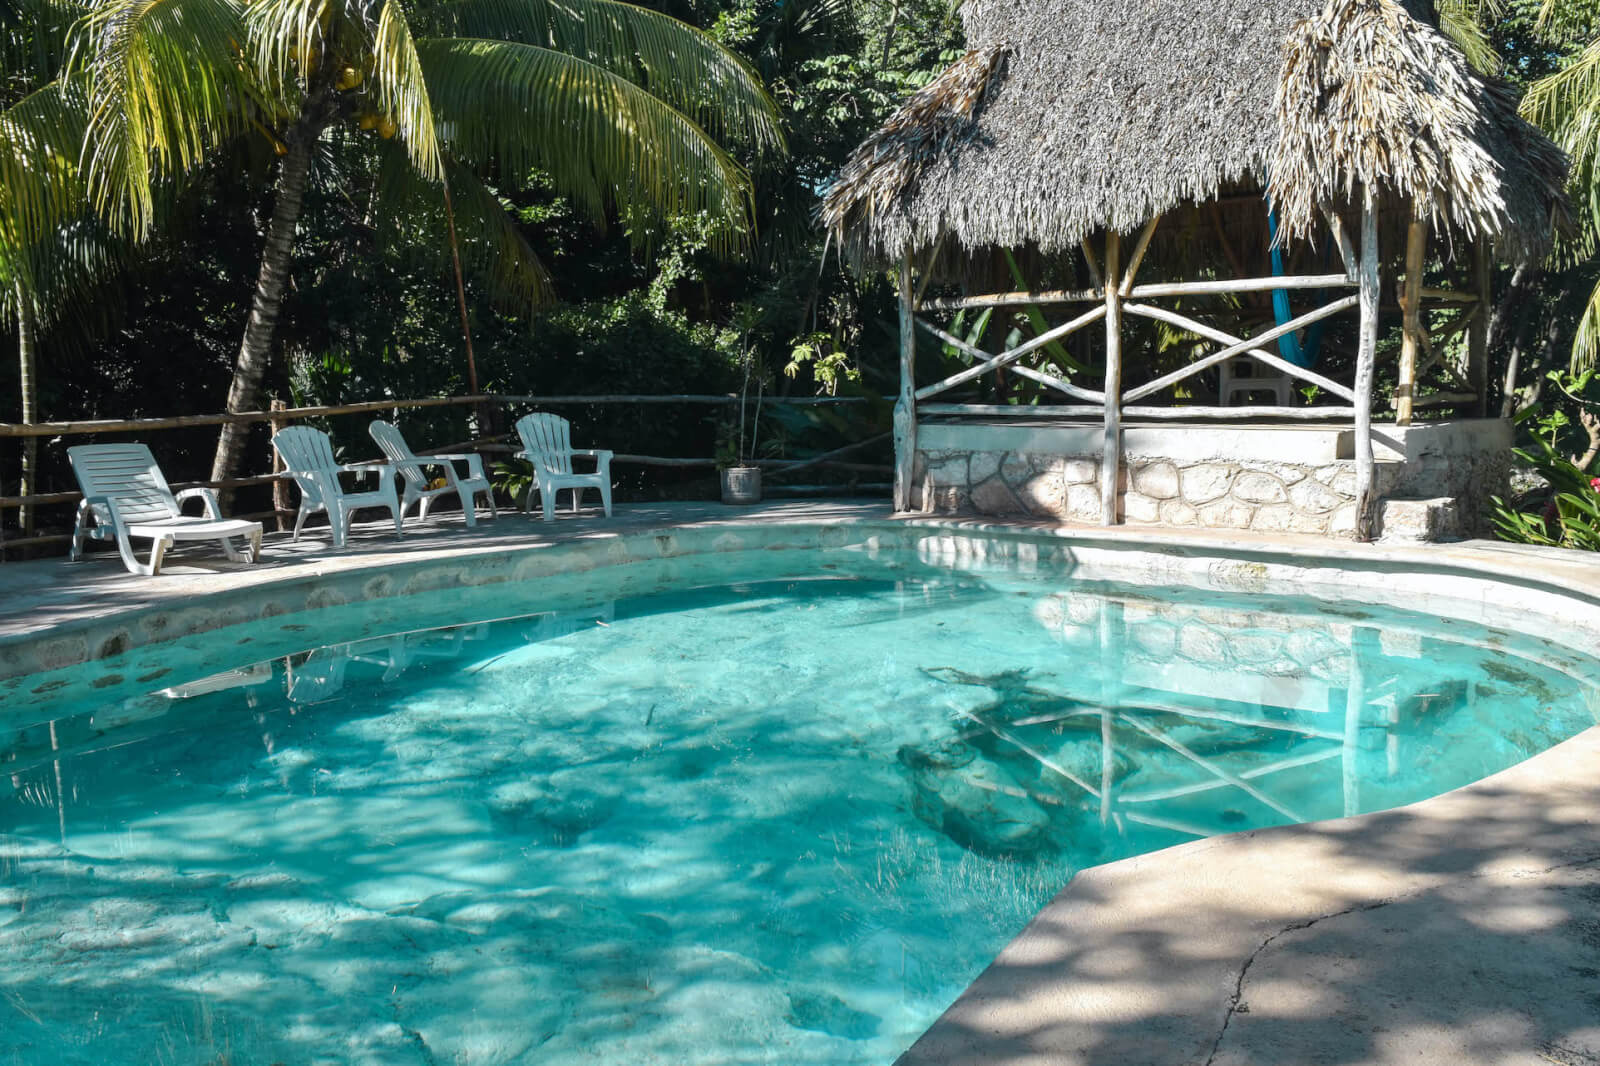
x: 493, y: 445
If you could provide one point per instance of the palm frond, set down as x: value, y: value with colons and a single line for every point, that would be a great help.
x: 1465, y: 22
x: 603, y: 140
x: 166, y: 85
x: 401, y: 89
x: 40, y: 137
x: 671, y: 60
x: 492, y: 246
x: 288, y: 39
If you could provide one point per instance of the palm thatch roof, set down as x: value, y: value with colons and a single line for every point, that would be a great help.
x: 1067, y: 117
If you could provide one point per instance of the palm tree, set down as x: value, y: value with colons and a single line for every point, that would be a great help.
x: 623, y: 108
x: 51, y: 250
x: 1567, y: 105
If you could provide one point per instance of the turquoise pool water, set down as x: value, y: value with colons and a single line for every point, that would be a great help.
x: 773, y: 821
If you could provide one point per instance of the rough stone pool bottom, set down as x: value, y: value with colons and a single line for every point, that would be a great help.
x: 784, y: 820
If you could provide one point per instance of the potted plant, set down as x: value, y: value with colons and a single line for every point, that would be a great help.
x: 741, y: 479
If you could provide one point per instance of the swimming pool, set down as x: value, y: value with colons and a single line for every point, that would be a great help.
x: 782, y: 810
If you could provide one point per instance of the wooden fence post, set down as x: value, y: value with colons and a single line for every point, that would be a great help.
x: 1365, y: 358
x: 905, y: 408
x: 280, y: 488
x: 1411, y: 308
x: 1111, y: 454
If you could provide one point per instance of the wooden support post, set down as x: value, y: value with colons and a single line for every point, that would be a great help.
x: 1478, y: 338
x: 1411, y: 308
x: 1366, y: 356
x: 905, y: 408
x: 1137, y: 259
x: 1096, y: 279
x: 1111, y: 456
x: 280, y: 489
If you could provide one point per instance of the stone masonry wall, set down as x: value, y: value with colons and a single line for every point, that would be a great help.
x: 1217, y: 494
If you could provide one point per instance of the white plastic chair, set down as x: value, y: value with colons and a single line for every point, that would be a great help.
x: 308, y: 455
x: 547, y: 444
x: 411, y: 467
x: 125, y: 497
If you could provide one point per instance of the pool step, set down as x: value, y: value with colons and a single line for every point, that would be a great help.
x: 1419, y: 521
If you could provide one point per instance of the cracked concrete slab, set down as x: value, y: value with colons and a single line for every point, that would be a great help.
x: 1462, y: 930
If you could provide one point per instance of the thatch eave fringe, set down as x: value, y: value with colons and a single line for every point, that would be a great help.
x: 1067, y: 118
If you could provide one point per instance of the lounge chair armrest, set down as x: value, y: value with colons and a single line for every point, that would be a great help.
x: 473, y: 460
x: 362, y: 468
x: 206, y: 495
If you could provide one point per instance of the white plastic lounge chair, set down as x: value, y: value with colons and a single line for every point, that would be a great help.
x: 309, y: 457
x: 126, y: 498
x: 412, y: 468
x: 547, y: 444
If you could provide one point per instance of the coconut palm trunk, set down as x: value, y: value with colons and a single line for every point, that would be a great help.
x: 28, y: 355
x: 255, y: 351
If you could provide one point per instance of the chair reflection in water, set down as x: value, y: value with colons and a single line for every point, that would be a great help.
x: 321, y: 675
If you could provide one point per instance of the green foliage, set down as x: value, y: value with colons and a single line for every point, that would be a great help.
x: 1570, y: 518
x: 830, y: 366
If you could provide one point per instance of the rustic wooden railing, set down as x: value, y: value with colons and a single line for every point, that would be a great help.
x: 1115, y: 293
x: 280, y: 416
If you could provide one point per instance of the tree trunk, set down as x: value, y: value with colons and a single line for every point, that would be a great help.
x: 27, y: 354
x: 255, y: 351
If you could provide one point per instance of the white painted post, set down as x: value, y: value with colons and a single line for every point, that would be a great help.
x: 1411, y: 307
x: 1365, y: 358
x: 1111, y: 456
x: 905, y: 408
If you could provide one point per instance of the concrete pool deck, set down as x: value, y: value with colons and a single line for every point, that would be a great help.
x: 1462, y: 930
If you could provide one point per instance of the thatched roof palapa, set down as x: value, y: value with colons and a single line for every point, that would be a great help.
x: 1068, y: 117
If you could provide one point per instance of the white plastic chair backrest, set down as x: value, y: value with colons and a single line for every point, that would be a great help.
x: 549, y: 437
x: 127, y: 474
x: 308, y: 455
x: 394, y: 448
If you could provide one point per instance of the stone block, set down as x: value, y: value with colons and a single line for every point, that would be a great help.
x: 1342, y: 523
x: 1341, y: 478
x: 1137, y: 507
x: 1207, y: 482
x: 1226, y: 514
x: 1159, y: 481
x: 1252, y: 486
x: 948, y: 470
x: 1081, y: 471
x: 1313, y: 497
x: 1308, y: 523
x: 1418, y: 521
x: 984, y: 465
x: 994, y: 496
x: 1278, y: 518
x: 1179, y: 513
x: 1083, y: 503
x: 1044, y: 495
x: 1017, y: 469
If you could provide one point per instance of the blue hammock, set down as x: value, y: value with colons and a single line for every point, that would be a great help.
x: 1289, y: 345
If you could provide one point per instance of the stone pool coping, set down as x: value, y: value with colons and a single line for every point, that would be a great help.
x: 1463, y: 929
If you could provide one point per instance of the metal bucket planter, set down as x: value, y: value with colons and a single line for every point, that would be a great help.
x: 741, y: 484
